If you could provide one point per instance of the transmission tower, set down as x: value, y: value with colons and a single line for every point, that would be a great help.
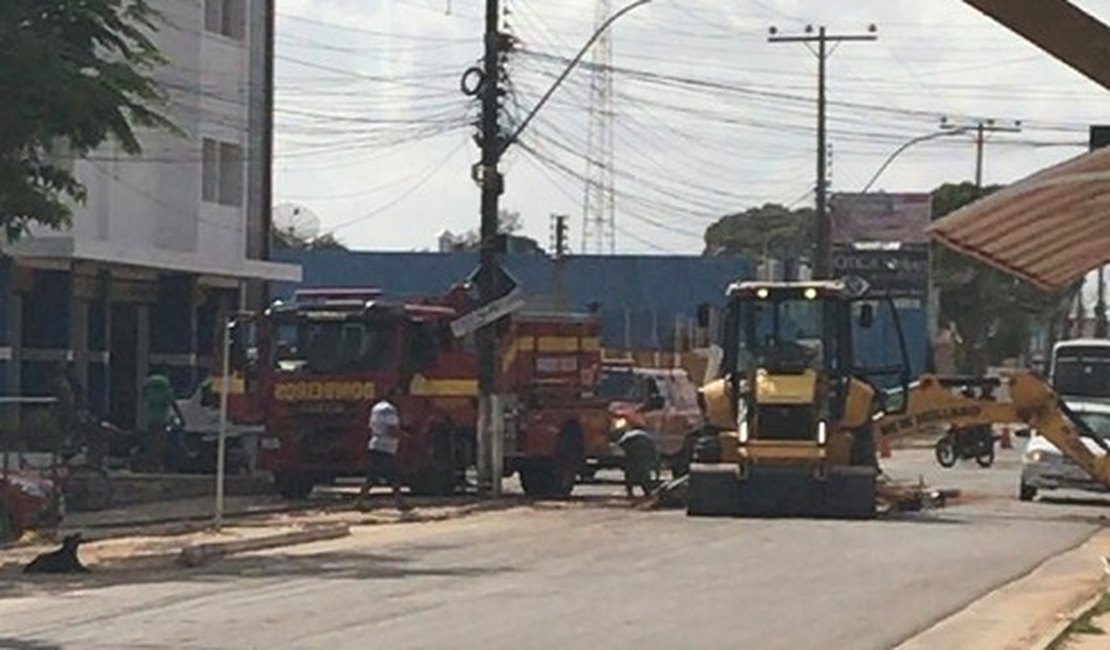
x: 599, y: 226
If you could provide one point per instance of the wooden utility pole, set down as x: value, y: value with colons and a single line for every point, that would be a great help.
x: 821, y: 263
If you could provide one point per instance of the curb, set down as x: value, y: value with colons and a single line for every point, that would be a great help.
x: 164, y: 521
x: 1053, y: 634
x: 196, y: 555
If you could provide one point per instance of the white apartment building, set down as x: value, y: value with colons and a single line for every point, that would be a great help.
x: 166, y: 241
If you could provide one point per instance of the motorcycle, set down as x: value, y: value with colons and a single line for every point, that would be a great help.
x: 966, y: 444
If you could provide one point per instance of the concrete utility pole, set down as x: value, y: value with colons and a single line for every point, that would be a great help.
x: 821, y: 266
x: 981, y: 129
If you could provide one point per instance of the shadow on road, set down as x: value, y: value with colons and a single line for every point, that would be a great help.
x: 344, y: 565
x: 10, y: 643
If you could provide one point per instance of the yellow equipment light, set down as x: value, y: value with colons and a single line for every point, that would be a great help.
x: 811, y: 294
x: 762, y: 293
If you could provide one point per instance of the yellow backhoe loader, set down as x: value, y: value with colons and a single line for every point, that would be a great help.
x: 792, y: 422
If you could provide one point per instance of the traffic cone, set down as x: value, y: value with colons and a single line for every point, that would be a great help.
x: 1007, y: 442
x: 884, y: 447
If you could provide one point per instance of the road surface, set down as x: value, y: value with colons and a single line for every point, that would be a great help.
x: 577, y: 576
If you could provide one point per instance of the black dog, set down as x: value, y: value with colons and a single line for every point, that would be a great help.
x: 63, y: 560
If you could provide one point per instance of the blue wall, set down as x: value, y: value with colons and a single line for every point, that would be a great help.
x: 653, y: 288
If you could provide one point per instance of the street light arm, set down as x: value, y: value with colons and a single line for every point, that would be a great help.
x: 907, y: 145
x: 570, y: 68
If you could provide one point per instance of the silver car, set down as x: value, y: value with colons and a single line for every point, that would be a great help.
x: 1043, y: 467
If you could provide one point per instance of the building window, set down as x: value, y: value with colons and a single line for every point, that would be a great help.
x: 227, y: 17
x: 222, y: 173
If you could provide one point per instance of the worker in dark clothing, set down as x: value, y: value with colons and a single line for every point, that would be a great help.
x: 641, y: 460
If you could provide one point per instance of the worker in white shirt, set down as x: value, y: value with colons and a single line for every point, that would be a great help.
x: 381, y: 464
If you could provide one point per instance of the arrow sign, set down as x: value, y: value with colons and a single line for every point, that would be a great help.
x: 489, y: 313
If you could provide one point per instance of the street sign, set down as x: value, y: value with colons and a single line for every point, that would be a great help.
x: 486, y: 314
x: 503, y: 281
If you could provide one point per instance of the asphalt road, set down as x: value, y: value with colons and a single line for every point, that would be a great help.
x: 578, y: 576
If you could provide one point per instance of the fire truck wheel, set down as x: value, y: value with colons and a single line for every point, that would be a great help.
x: 8, y: 531
x: 570, y: 458
x: 293, y: 485
x: 438, y: 478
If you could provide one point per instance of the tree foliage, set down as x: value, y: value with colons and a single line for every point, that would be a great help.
x: 509, y: 223
x: 327, y: 241
x: 993, y: 310
x: 772, y: 228
x: 73, y: 74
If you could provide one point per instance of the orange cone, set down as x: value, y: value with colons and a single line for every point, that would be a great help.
x: 1007, y: 442
x: 884, y: 447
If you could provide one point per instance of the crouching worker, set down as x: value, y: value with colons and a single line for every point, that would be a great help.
x: 381, y: 464
x: 641, y: 460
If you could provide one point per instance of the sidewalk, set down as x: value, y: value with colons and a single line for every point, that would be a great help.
x: 195, y: 509
x: 1029, y: 612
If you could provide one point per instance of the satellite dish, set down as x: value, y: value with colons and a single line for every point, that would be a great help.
x: 296, y: 222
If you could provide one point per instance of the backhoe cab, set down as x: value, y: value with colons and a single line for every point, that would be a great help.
x: 789, y: 423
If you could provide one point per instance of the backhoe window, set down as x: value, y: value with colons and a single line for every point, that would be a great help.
x: 781, y: 334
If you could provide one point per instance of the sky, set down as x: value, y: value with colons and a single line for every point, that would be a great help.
x: 376, y: 139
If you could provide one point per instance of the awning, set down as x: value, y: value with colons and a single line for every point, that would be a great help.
x: 1050, y: 228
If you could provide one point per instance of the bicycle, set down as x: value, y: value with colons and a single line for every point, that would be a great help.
x: 80, y: 471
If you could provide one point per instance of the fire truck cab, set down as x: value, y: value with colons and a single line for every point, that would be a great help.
x: 325, y: 358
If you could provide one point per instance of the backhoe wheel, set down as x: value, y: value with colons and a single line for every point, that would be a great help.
x: 945, y: 452
x: 986, y: 459
x: 295, y: 486
x: 1027, y: 492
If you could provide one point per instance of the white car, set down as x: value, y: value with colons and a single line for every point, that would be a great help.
x: 1043, y: 467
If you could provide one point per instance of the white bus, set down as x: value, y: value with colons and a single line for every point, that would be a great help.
x: 1081, y: 369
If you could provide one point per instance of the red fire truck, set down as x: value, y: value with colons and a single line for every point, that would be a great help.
x: 323, y: 359
x: 326, y: 357
x: 551, y: 365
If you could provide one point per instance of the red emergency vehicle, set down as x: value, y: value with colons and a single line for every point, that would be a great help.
x: 327, y: 356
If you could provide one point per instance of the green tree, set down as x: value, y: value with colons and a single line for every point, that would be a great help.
x: 73, y: 74
x: 773, y: 229
x: 288, y: 239
x: 993, y: 310
x: 509, y: 224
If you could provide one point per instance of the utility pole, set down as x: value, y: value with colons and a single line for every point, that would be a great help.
x: 981, y: 128
x: 559, y: 223
x: 492, y: 184
x: 485, y: 82
x: 821, y: 266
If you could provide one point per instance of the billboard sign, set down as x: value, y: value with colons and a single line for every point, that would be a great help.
x: 898, y: 270
x: 880, y: 217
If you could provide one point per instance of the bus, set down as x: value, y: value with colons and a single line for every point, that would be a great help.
x: 1080, y: 368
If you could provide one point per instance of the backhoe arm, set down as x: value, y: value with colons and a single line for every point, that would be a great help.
x: 932, y: 401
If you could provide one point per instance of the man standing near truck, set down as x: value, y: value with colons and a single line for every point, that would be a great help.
x: 381, y: 463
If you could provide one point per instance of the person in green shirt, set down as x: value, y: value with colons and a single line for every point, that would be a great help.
x: 158, y: 403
